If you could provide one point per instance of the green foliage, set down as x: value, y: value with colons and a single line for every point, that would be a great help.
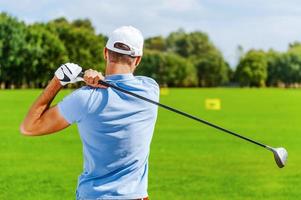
x: 44, y: 53
x: 13, y: 46
x: 252, y: 69
x: 210, y: 66
x: 275, y: 70
x: 194, y: 44
x: 82, y: 44
x: 294, y: 54
x: 155, y: 43
x: 291, y: 63
x: 212, y: 71
x: 152, y: 66
x: 284, y: 68
x: 181, y: 72
x: 168, y: 69
x: 29, y: 55
x: 83, y: 23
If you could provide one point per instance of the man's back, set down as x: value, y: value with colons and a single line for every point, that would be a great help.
x: 116, y: 131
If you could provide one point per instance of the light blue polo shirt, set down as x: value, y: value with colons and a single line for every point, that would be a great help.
x: 116, y: 131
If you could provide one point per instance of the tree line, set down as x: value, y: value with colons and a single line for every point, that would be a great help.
x: 29, y: 55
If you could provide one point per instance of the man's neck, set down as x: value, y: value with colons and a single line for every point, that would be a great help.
x: 116, y: 68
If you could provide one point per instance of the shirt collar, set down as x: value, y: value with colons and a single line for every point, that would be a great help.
x: 119, y: 77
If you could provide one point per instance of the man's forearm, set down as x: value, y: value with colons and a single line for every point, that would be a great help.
x: 49, y: 93
x: 41, y: 105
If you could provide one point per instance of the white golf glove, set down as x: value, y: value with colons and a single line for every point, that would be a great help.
x: 68, y: 73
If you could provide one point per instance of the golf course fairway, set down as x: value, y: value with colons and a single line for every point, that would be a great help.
x: 188, y: 160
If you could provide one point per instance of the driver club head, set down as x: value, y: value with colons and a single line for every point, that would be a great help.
x: 280, y: 155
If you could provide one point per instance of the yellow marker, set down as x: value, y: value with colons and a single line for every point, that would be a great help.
x: 164, y: 91
x: 213, y: 104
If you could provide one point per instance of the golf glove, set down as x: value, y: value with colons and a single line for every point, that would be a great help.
x: 68, y: 73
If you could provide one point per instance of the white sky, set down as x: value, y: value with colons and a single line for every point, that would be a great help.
x: 252, y: 24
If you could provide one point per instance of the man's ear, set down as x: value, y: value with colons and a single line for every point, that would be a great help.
x: 138, y: 60
x: 105, y: 53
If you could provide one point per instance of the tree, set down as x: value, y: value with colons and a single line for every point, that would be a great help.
x: 167, y: 69
x: 294, y: 53
x: 155, y: 43
x: 294, y: 45
x: 274, y: 68
x: 284, y: 67
x: 210, y: 66
x: 252, y: 69
x: 290, y: 63
x: 44, y: 53
x: 12, y: 48
x: 212, y: 71
x: 83, y: 23
x: 194, y: 44
x: 82, y: 44
x: 181, y: 72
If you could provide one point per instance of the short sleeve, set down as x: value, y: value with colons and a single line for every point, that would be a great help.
x: 75, y: 106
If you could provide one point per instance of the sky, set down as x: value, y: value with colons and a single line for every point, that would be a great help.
x: 259, y: 24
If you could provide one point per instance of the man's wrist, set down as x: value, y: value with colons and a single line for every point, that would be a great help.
x: 56, y: 82
x: 54, y: 86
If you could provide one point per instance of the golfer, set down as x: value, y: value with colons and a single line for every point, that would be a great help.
x: 116, y: 129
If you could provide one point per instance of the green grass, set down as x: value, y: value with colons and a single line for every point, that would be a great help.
x: 188, y: 160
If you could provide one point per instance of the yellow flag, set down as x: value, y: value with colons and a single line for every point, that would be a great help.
x: 164, y: 91
x: 213, y: 104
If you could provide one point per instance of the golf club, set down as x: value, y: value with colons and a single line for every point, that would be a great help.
x: 280, y: 154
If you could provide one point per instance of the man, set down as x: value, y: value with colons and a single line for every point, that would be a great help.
x: 115, y: 128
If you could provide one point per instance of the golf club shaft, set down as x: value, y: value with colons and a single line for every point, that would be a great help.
x: 181, y: 113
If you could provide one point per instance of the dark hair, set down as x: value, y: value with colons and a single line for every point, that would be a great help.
x: 120, y: 58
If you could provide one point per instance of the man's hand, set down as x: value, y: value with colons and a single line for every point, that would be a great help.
x: 92, y: 77
x: 68, y: 73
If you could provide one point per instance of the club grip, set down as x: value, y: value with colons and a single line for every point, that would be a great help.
x: 81, y: 74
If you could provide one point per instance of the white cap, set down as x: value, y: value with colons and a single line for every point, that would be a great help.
x: 129, y: 36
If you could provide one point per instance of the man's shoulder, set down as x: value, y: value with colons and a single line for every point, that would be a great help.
x: 148, y: 80
x: 84, y: 90
x: 83, y: 94
x: 151, y: 86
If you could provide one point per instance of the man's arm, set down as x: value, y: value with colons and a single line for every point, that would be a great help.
x: 41, y: 118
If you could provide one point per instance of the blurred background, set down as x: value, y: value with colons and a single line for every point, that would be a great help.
x: 196, y: 43
x: 235, y: 63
